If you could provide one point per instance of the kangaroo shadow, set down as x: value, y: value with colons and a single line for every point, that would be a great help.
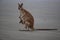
x: 41, y: 30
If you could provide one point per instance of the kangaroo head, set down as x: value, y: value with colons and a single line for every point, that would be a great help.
x: 20, y: 6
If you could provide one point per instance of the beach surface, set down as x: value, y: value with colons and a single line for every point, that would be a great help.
x: 46, y: 20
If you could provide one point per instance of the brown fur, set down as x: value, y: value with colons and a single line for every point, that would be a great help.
x: 26, y: 17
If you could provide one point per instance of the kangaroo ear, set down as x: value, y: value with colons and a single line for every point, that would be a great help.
x: 18, y: 4
x: 21, y: 4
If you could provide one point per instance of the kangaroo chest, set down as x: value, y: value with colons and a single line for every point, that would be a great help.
x: 22, y: 14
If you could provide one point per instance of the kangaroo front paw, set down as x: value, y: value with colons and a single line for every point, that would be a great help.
x: 19, y: 16
x: 20, y: 21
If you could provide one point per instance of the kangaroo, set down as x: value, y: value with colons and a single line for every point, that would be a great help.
x: 26, y: 17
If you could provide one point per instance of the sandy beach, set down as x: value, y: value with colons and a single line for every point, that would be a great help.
x: 46, y: 20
